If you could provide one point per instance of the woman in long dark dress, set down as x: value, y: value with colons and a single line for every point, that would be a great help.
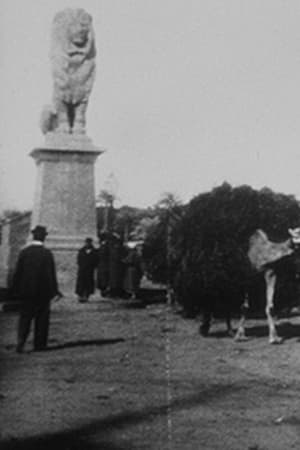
x: 86, y: 261
x: 103, y: 265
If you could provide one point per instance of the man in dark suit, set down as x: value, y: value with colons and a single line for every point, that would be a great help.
x: 35, y: 284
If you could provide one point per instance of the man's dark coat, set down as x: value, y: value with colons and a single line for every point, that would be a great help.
x: 87, y: 261
x: 103, y: 266
x: 35, y: 284
x: 35, y: 280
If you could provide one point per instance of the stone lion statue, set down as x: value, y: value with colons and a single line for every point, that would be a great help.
x: 73, y: 68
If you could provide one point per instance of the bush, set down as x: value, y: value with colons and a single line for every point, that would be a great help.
x: 209, y: 242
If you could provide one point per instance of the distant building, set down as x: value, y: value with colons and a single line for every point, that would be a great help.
x: 14, y: 233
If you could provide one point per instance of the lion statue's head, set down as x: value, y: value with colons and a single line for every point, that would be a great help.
x: 73, y: 54
x: 72, y: 32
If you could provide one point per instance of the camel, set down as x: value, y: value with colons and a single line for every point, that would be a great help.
x: 262, y: 254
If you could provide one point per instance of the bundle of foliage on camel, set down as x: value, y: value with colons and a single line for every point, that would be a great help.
x: 210, y: 270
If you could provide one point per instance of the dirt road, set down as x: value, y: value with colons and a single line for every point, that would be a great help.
x: 117, y: 377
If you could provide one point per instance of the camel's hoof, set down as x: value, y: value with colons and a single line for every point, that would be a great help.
x: 241, y: 339
x: 275, y: 341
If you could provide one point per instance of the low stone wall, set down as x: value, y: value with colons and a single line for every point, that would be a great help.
x: 15, y: 232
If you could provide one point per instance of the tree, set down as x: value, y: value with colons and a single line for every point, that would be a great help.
x: 209, y: 242
x: 106, y: 198
x: 158, y: 248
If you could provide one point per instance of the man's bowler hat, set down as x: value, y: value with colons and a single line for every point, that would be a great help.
x: 39, y: 230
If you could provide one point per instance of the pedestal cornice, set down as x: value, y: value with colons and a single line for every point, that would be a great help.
x: 64, y: 142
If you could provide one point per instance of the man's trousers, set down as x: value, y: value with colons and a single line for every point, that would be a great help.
x: 40, y: 315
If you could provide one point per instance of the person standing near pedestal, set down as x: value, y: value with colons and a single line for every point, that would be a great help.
x: 115, y: 266
x: 86, y: 262
x: 35, y: 284
x: 133, y: 271
x: 103, y: 264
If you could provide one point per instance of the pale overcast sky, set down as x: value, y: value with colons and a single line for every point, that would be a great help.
x: 188, y: 94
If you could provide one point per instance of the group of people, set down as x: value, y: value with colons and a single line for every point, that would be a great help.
x: 113, y: 268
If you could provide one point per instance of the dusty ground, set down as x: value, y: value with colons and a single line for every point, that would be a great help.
x: 121, y: 378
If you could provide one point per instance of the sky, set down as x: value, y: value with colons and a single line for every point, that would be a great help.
x: 188, y: 94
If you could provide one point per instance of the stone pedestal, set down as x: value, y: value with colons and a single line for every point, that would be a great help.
x: 65, y: 198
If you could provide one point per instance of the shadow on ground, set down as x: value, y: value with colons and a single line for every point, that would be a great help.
x: 219, y: 334
x: 286, y: 330
x: 71, y: 442
x: 96, y: 435
x: 85, y: 343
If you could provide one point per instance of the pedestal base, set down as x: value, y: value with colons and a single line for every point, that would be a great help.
x: 65, y: 199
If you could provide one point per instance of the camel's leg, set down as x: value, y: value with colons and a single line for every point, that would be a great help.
x: 270, y: 278
x: 205, y: 323
x: 240, y: 334
x: 230, y: 331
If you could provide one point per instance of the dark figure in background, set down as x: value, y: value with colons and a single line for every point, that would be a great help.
x: 133, y: 271
x: 86, y: 261
x: 103, y: 265
x: 35, y: 284
x: 115, y: 266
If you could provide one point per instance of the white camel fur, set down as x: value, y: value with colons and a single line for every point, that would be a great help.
x: 262, y: 254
